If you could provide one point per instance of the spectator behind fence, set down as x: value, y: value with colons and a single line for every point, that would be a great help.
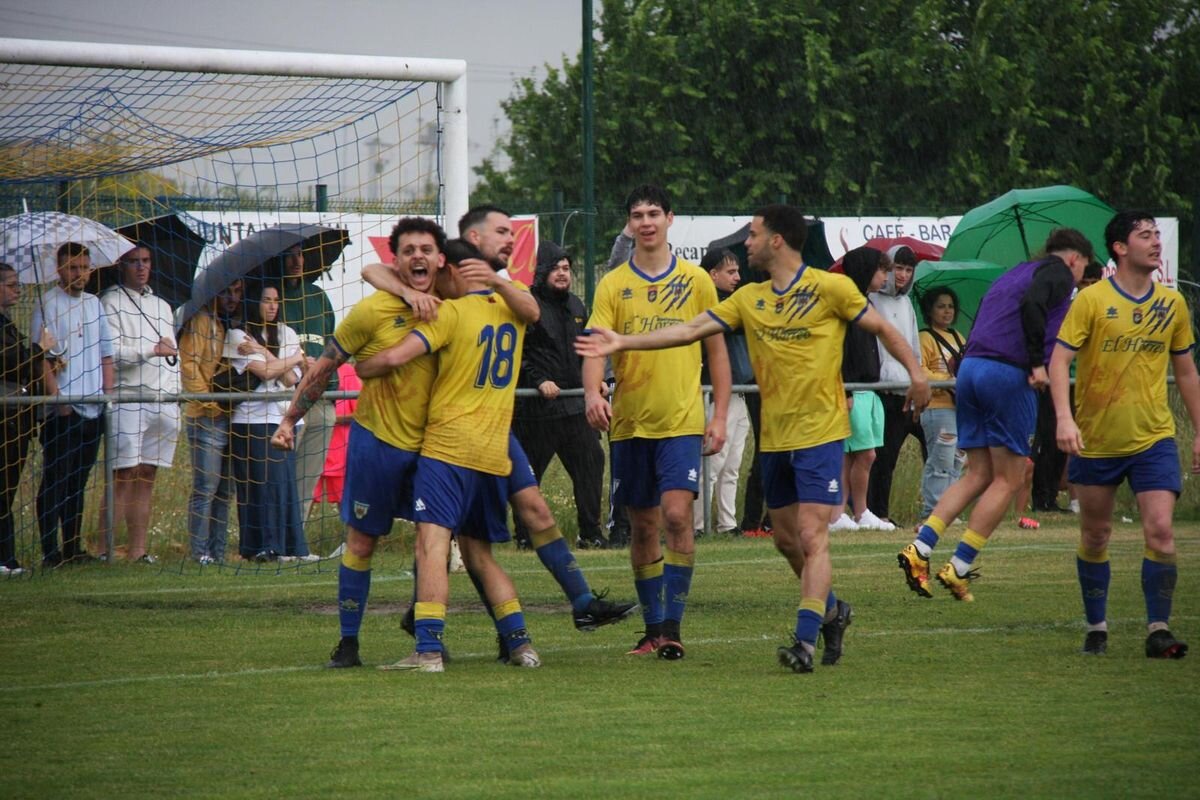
x: 269, y: 516
x: 868, y: 268
x: 894, y: 305
x: 333, y: 475
x: 941, y: 351
x: 206, y: 423
x: 552, y: 424
x: 144, y: 434
x: 721, y: 469
x: 71, y: 433
x: 306, y: 309
x: 24, y: 370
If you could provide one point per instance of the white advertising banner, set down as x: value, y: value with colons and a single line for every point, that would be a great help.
x: 690, y: 235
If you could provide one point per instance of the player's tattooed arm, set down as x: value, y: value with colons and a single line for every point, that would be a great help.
x: 307, y: 393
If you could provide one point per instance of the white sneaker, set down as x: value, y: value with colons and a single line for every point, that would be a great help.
x: 6, y: 572
x: 1073, y: 506
x: 844, y: 523
x: 456, y: 562
x: 869, y: 522
x: 308, y: 559
x: 524, y: 656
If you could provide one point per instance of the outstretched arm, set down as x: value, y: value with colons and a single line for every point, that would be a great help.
x: 395, y: 356
x: 603, y: 342
x: 917, y: 396
x: 307, y: 393
x: 1188, y: 383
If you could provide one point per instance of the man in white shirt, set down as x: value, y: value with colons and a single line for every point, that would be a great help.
x: 71, y: 433
x: 145, y: 359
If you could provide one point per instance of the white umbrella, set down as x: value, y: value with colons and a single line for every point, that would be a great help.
x: 29, y: 242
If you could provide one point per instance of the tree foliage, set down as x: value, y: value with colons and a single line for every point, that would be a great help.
x: 870, y: 106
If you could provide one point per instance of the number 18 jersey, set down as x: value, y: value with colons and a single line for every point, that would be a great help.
x: 478, y: 341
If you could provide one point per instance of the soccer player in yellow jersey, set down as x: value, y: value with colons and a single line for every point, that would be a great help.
x: 795, y: 324
x: 656, y: 425
x: 389, y: 424
x: 1125, y: 331
x: 462, y: 475
x: 489, y: 228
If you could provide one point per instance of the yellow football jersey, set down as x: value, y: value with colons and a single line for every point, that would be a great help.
x: 1124, y: 347
x: 392, y: 406
x: 478, y: 341
x: 795, y: 339
x: 658, y: 391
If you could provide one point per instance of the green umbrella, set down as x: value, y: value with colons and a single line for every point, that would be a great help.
x: 1014, y: 226
x: 970, y: 280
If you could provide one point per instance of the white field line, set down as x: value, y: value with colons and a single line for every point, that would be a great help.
x: 406, y: 575
x: 609, y: 647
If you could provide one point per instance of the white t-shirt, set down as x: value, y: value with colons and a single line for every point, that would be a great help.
x: 258, y: 412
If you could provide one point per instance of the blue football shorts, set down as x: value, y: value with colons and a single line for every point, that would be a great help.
x: 379, y: 482
x: 809, y: 475
x: 642, y: 469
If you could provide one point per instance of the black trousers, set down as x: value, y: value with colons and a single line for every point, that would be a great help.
x: 577, y: 446
x: 898, y: 425
x: 18, y: 424
x: 70, y: 445
x: 1048, y: 460
x: 754, y: 515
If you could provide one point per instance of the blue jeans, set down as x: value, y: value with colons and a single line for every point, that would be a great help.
x: 944, y: 464
x: 208, y: 507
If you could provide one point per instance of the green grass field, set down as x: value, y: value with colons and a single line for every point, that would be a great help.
x: 144, y: 682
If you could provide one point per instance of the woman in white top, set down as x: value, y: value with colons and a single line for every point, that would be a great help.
x: 268, y: 503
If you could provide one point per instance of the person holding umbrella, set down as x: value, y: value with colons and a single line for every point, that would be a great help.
x: 24, y: 370
x: 1003, y: 370
x: 71, y: 434
x: 306, y: 309
x: 1125, y: 331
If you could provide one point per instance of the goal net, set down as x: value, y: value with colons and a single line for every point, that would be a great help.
x: 284, y: 170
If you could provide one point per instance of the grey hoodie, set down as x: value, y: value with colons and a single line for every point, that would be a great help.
x: 896, y: 308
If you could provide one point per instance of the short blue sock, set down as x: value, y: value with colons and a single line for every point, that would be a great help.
x: 926, y: 536
x: 510, y: 624
x: 430, y: 628
x: 1158, y: 585
x: 808, y: 623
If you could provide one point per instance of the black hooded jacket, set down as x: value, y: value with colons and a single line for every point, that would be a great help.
x: 860, y: 355
x: 549, y: 353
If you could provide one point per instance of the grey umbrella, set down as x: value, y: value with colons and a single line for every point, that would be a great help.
x: 258, y: 256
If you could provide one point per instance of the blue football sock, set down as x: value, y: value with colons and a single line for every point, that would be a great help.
x: 510, y: 624
x: 808, y: 620
x: 1095, y: 573
x: 648, y: 580
x: 354, y: 584
x: 552, y: 549
x: 1159, y: 573
x: 430, y: 620
x: 677, y: 582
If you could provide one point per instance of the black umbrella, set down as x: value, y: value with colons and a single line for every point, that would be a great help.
x: 175, y: 249
x: 816, y: 250
x: 258, y: 256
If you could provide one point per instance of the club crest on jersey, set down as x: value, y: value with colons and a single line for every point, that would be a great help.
x: 652, y: 293
x: 361, y: 509
x: 1137, y: 316
x: 627, y: 294
x: 779, y: 306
